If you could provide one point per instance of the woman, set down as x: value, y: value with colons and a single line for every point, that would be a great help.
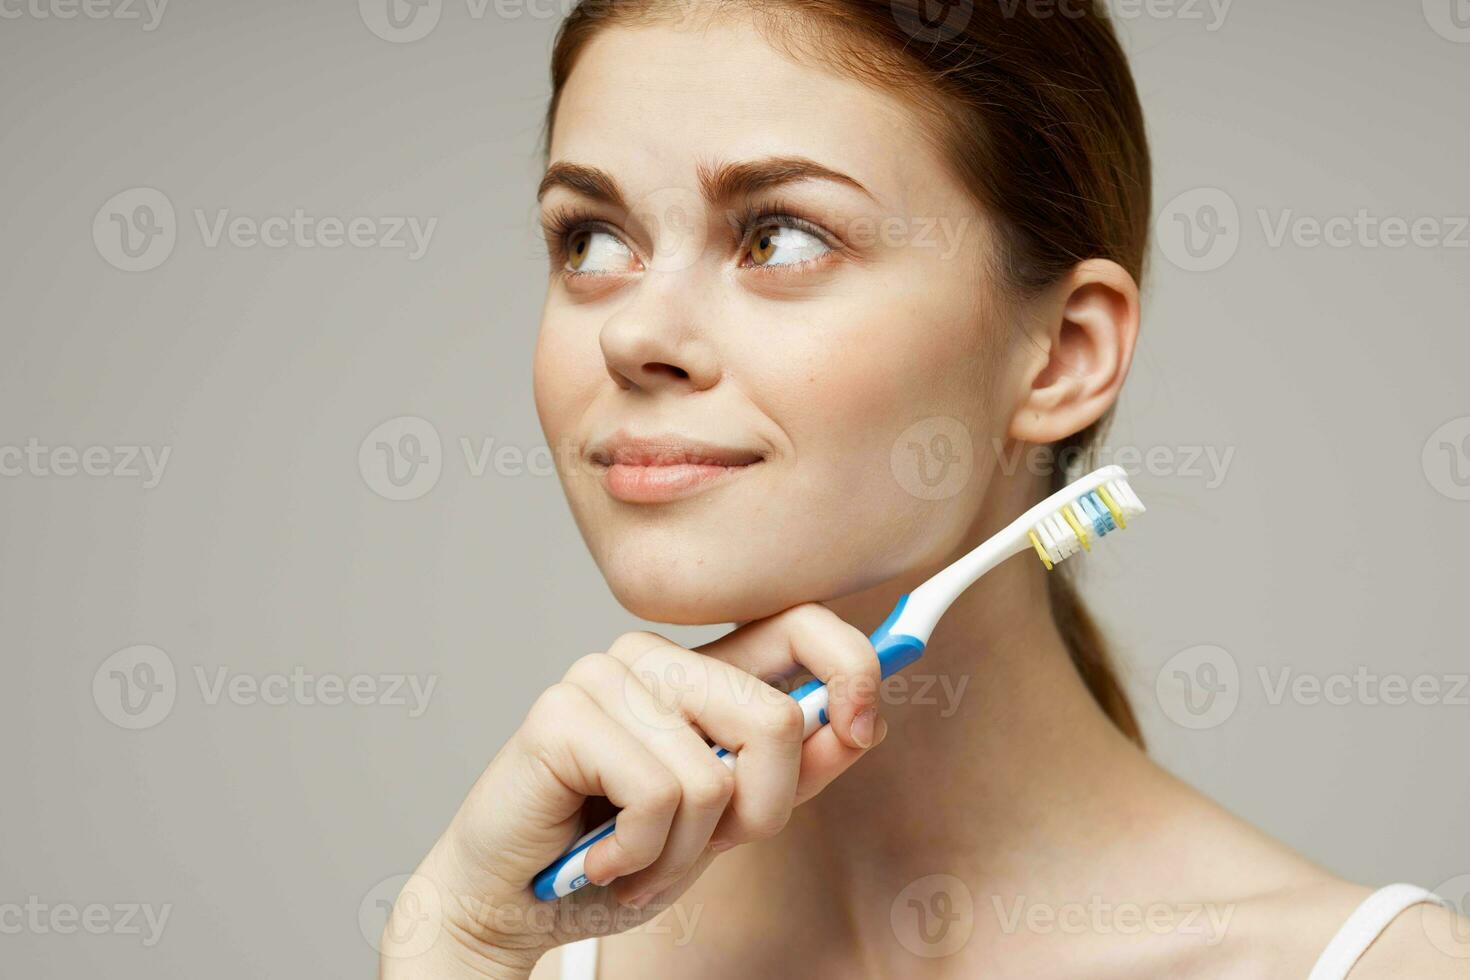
x: 794, y: 246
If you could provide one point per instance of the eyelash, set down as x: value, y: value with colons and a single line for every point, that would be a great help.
x: 568, y: 220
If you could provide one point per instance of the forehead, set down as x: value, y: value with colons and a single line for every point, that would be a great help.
x: 648, y: 103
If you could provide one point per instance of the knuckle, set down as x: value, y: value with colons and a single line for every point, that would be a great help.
x: 663, y: 792
x: 626, y: 859
x: 765, y: 825
x: 594, y: 669
x: 808, y: 612
x: 555, y: 703
x: 630, y: 646
x: 546, y: 723
x: 782, y: 721
x: 803, y: 619
x: 710, y: 788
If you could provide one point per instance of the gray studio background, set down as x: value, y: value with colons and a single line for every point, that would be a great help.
x: 1331, y: 543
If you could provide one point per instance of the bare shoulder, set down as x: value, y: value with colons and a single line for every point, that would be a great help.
x: 1281, y: 931
x: 1284, y: 932
x: 1427, y: 942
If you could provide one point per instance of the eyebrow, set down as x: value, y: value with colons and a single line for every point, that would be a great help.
x: 720, y: 183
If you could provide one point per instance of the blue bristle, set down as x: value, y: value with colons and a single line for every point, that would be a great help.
x: 1102, y: 520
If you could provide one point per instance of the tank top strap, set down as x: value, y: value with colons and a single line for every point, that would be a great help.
x: 1368, y: 920
x: 579, y: 960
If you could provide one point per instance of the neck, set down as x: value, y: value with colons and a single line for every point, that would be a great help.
x: 999, y: 768
x: 994, y: 746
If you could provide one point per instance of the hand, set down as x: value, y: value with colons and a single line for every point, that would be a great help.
x: 630, y: 725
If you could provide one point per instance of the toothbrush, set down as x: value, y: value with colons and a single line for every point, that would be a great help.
x: 1056, y: 529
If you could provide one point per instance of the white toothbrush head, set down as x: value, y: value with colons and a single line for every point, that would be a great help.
x: 1057, y: 528
x: 1085, y: 515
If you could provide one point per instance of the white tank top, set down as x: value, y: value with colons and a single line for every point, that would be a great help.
x: 579, y: 959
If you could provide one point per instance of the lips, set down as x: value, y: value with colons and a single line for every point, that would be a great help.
x: 658, y: 469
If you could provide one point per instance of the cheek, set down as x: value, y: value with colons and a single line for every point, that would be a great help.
x: 566, y: 370
x: 887, y: 407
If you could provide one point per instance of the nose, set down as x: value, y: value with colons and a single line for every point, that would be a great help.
x: 652, y: 344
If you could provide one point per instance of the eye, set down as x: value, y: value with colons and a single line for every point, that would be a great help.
x: 591, y: 251
x: 776, y: 244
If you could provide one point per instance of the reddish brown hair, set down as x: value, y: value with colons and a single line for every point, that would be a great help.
x: 1035, y: 111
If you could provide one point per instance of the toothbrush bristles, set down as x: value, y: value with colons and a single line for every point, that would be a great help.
x: 1072, y: 527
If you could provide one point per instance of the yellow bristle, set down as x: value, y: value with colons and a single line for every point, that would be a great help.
x: 1081, y: 534
x: 1036, y: 543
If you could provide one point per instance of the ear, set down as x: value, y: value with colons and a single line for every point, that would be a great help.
x: 1088, y: 326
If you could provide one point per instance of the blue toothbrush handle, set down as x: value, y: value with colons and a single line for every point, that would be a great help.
x: 895, y: 651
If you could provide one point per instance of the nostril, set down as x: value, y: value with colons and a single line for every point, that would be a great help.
x: 655, y: 367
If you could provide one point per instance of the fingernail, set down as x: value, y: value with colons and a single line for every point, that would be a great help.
x: 722, y: 846
x: 882, y: 731
x: 641, y: 900
x: 862, y: 727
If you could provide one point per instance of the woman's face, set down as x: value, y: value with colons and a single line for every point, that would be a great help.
x: 766, y: 359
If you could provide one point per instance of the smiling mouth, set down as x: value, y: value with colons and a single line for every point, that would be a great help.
x: 659, y: 470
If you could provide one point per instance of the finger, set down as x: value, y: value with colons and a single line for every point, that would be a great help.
x: 575, y: 751
x: 824, y: 757
x: 814, y: 638
x: 707, y: 784
x: 758, y: 723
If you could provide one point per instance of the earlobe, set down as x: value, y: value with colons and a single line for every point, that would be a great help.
x: 1090, y: 329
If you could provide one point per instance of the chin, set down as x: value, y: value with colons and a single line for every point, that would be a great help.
x: 688, y: 589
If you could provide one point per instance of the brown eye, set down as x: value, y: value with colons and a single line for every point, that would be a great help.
x: 779, y: 245
x: 764, y: 245
x: 579, y: 245
x: 594, y: 251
